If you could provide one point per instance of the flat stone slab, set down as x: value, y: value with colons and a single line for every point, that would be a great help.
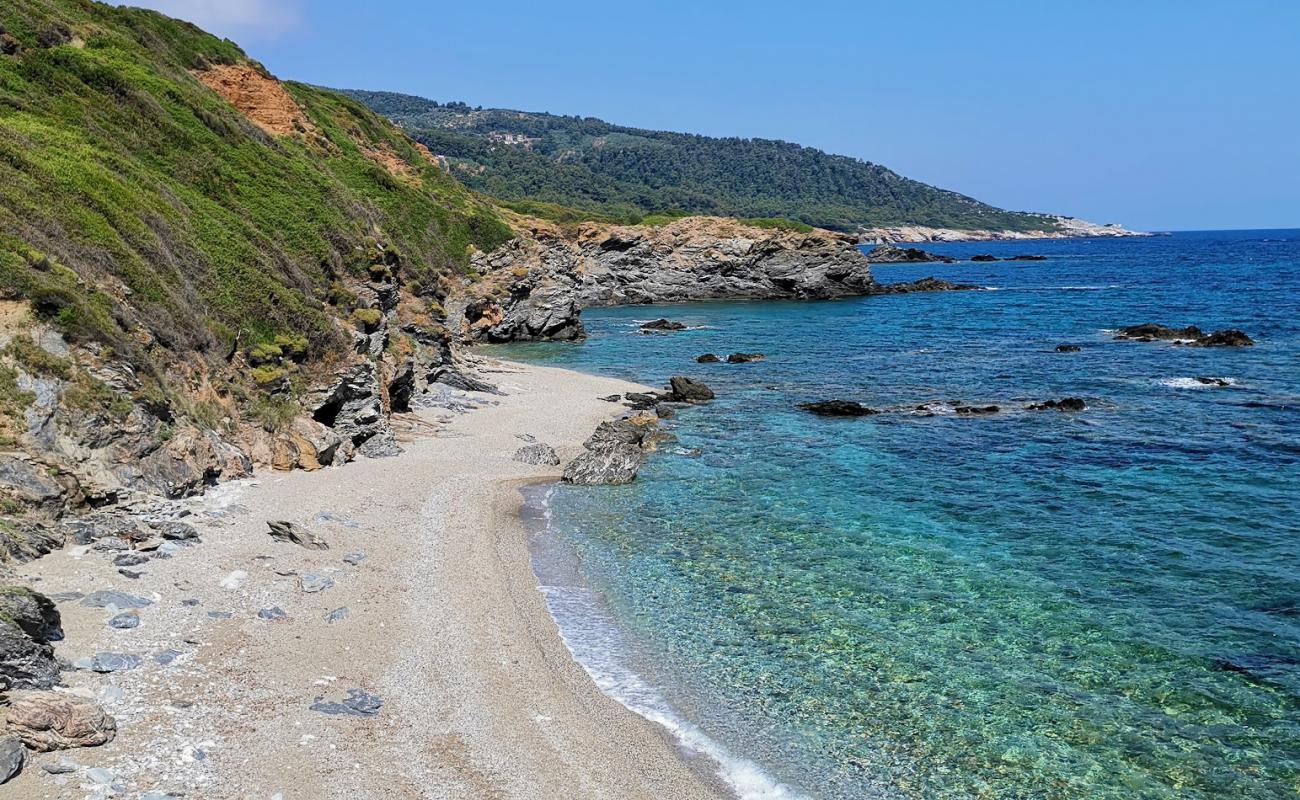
x: 358, y: 703
x: 112, y: 597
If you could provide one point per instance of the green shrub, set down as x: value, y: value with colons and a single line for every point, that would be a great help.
x: 264, y: 353
x: 367, y: 318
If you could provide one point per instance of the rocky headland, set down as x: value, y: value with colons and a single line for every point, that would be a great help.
x: 1056, y: 227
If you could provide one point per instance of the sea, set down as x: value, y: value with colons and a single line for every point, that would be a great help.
x: 921, y: 604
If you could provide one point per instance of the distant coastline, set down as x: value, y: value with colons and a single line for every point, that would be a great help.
x: 1068, y: 228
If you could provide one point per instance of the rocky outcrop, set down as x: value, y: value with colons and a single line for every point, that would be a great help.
x: 1054, y: 227
x: 889, y: 254
x: 534, y: 286
x: 28, y: 623
x: 1191, y: 336
x: 613, y: 454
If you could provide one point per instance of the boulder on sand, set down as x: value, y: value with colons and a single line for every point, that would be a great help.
x: 54, y: 720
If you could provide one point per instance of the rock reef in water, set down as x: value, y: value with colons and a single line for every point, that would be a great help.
x: 1190, y: 336
x: 890, y: 254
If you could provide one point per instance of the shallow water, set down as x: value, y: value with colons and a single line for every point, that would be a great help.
x: 1024, y: 605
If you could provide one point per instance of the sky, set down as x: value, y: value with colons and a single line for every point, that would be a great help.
x: 1158, y: 114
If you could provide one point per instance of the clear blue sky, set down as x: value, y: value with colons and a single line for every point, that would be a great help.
x: 1160, y: 114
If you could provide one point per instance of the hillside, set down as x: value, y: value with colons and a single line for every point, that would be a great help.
x: 530, y: 159
x: 191, y: 252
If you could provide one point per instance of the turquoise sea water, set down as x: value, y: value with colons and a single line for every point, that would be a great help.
x: 1025, y: 605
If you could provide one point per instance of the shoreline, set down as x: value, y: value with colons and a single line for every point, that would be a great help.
x: 442, y: 621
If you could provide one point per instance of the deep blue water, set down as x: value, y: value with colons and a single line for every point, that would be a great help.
x: 1024, y: 605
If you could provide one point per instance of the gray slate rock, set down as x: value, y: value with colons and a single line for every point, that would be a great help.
x: 180, y: 531
x: 450, y: 376
x: 272, y: 614
x: 31, y: 611
x: 166, y: 657
x: 12, y: 756
x: 132, y: 559
x: 108, y: 662
x: 337, y: 615
x: 284, y: 531
x: 358, y: 703
x: 615, y: 463
x: 354, y: 558
x: 537, y: 454
x: 125, y: 621
x: 312, y: 582
x: 111, y: 597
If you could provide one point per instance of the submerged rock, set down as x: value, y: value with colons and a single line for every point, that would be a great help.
x: 929, y: 284
x: 1220, y: 382
x: 985, y: 257
x: 1064, y: 404
x: 1028, y: 258
x: 1068, y: 348
x: 968, y: 411
x: 707, y: 358
x: 838, y: 408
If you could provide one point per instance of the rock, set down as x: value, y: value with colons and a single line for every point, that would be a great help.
x: 34, y: 613
x: 643, y: 400
x: 889, y: 254
x: 1028, y: 258
x: 191, y: 602
x: 838, y: 408
x: 63, y: 766
x: 538, y: 309
x: 745, y: 358
x: 108, y: 662
x: 337, y: 615
x: 1064, y: 404
x: 401, y: 387
x: 985, y: 257
x: 130, y: 574
x: 685, y: 390
x: 284, y: 531
x: 358, y: 703
x: 22, y: 541
x: 537, y: 454
x: 311, y: 582
x: 1226, y: 338
x: 1067, y: 348
x: 125, y: 620
x: 612, y: 398
x: 166, y: 657
x: 1220, y: 382
x: 352, y: 407
x: 111, y: 597
x: 930, y: 284
x: 88, y: 530
x: 49, y: 720
x: 176, y: 531
x: 354, y: 558
x: 610, y: 464
x: 976, y: 410
x: 707, y: 358
x: 272, y: 614
x: 12, y: 756
x: 664, y: 411
x: 449, y: 376
x: 29, y: 484
x: 131, y: 559
x: 25, y: 663
x: 221, y: 614
x: 663, y: 325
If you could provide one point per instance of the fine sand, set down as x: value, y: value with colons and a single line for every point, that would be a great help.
x: 444, y: 623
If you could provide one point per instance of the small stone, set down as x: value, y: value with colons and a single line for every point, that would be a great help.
x: 284, y: 531
x: 354, y: 558
x: 191, y: 602
x: 132, y: 559
x: 109, y: 662
x: 358, y: 703
x: 63, y: 767
x: 166, y: 657
x: 65, y: 597
x: 234, y: 580
x: 337, y: 615
x: 312, y: 582
x: 220, y: 614
x: 125, y: 620
x: 130, y: 573
x: 273, y: 614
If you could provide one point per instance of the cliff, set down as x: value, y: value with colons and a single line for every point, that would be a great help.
x: 534, y: 286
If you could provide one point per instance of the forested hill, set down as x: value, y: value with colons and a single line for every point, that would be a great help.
x: 587, y: 164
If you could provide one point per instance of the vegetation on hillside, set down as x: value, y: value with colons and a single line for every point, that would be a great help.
x: 613, y: 172
x: 139, y: 209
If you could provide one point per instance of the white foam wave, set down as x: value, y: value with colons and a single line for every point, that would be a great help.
x: 1197, y: 383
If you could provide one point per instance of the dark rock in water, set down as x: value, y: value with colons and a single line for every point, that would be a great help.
x: 612, y: 398
x: 889, y: 254
x: 1067, y: 348
x: 745, y: 358
x: 537, y: 454
x: 663, y: 325
x: 1260, y: 666
x: 1191, y: 335
x: 664, y: 411
x: 610, y: 464
x: 131, y: 559
x: 456, y: 379
x: 109, y: 597
x: 985, y: 257
x: 976, y: 410
x: 284, y: 531
x: 707, y: 358
x: 12, y: 756
x: 1064, y: 404
x: 1226, y: 338
x: 125, y: 620
x: 838, y: 408
x: 643, y: 400
x: 930, y: 284
x: 272, y: 614
x: 1028, y: 258
x: 685, y: 390
x: 358, y: 703
x: 32, y: 612
x: 1204, y: 381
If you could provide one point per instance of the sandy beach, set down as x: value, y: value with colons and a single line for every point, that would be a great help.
x: 439, y: 619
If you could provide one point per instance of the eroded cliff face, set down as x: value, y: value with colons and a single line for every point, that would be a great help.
x: 534, y: 286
